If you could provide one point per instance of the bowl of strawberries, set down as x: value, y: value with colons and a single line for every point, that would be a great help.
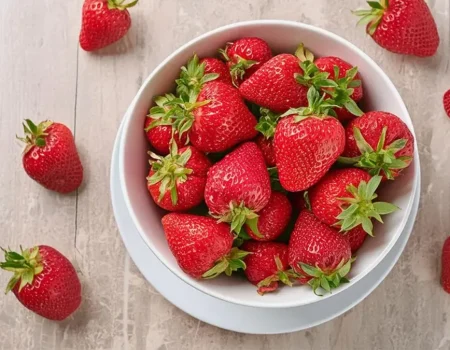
x: 269, y: 163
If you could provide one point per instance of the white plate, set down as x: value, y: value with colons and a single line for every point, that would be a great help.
x: 235, y: 317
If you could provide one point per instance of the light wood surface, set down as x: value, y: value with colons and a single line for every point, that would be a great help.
x: 43, y: 75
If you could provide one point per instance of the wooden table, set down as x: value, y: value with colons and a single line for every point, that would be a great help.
x: 43, y: 74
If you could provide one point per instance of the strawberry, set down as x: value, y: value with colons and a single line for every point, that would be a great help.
x: 273, y: 219
x: 158, y: 128
x: 44, y: 281
x: 445, y: 262
x: 201, y: 245
x: 238, y: 187
x: 307, y: 142
x: 266, y: 126
x: 344, y: 198
x: 379, y: 142
x: 402, y: 26
x: 245, y: 56
x: 318, y: 253
x: 446, y: 100
x: 347, y: 77
x: 274, y: 86
x: 267, y: 264
x: 197, y: 73
x: 104, y: 22
x: 356, y: 237
x: 177, y: 181
x: 51, y: 157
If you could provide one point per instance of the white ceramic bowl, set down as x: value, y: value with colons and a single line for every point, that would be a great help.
x: 282, y: 36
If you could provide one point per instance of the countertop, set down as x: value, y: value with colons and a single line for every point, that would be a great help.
x: 44, y: 75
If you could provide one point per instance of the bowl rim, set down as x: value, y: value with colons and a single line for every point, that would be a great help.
x: 203, y: 287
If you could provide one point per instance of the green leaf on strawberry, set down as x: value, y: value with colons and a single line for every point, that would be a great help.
x: 228, y: 264
x: 267, y: 122
x: 193, y: 77
x: 360, y: 208
x: 382, y: 160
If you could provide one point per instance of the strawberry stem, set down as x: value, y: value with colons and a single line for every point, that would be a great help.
x: 25, y: 266
x: 230, y: 263
x: 373, y: 16
x: 119, y: 4
x: 34, y: 134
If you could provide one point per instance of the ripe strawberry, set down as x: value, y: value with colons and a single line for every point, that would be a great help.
x: 177, y: 181
x: 51, y: 157
x: 318, y: 253
x: 273, y: 219
x: 274, y: 86
x: 344, y: 198
x: 379, y: 142
x: 238, y: 187
x: 347, y: 77
x: 44, y: 281
x: 446, y: 101
x: 267, y: 265
x: 445, y: 266
x: 158, y: 128
x: 266, y: 126
x: 245, y: 56
x: 402, y: 26
x: 307, y: 142
x: 356, y: 237
x: 198, y: 72
x: 201, y: 245
x: 104, y: 22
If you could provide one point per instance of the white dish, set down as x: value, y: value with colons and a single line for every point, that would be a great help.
x: 283, y: 36
x: 234, y: 317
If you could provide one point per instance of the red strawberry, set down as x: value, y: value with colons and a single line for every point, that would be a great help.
x: 222, y: 120
x: 238, y: 187
x: 445, y: 262
x: 446, y: 101
x: 274, y: 86
x: 319, y: 253
x: 402, y: 26
x: 44, y: 281
x: 333, y: 65
x: 267, y: 265
x: 104, y: 22
x: 273, y: 219
x: 379, y: 142
x: 177, y: 181
x: 356, y: 237
x: 245, y: 56
x: 214, y: 65
x: 201, y: 245
x: 307, y: 142
x: 266, y: 126
x: 51, y: 157
x: 344, y: 198
x: 197, y: 73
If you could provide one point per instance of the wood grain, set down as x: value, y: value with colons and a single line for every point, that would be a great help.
x: 43, y: 75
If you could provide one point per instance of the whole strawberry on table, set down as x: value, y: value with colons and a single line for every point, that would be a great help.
x: 257, y: 138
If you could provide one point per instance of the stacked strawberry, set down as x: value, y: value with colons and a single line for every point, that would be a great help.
x: 245, y: 137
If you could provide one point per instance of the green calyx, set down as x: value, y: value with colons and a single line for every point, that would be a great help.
x: 318, y: 107
x: 238, y: 69
x: 267, y: 123
x: 170, y: 171
x: 238, y: 215
x: 327, y: 280
x: 303, y: 54
x: 228, y: 264
x: 373, y: 16
x: 120, y: 4
x: 275, y: 180
x: 360, y: 208
x: 312, y: 76
x: 175, y: 111
x: 34, y: 134
x: 25, y: 266
x: 193, y: 77
x: 379, y: 161
x: 284, y: 276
